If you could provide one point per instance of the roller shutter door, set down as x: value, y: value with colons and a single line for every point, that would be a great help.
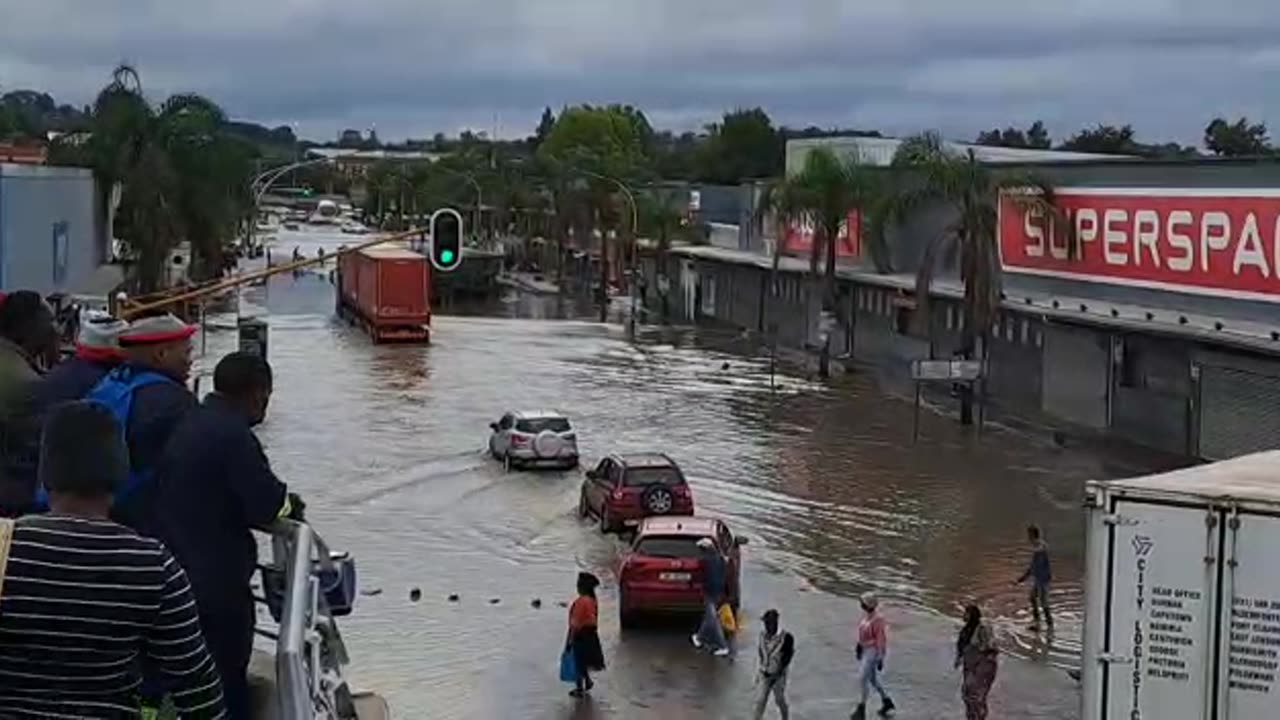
x: 1239, y: 412
x: 1075, y: 378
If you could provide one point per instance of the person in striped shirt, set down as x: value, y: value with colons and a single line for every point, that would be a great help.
x: 84, y: 600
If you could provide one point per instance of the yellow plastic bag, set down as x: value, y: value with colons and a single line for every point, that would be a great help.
x: 727, y: 619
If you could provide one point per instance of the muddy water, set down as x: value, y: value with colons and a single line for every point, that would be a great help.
x: 386, y: 444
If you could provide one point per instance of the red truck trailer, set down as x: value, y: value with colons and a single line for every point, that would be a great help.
x: 386, y: 290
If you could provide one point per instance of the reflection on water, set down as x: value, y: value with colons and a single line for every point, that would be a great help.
x: 387, y: 443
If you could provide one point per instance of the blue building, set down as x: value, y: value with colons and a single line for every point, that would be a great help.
x: 53, y: 232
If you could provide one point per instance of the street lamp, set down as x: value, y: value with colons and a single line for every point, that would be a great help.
x: 263, y: 181
x: 635, y: 236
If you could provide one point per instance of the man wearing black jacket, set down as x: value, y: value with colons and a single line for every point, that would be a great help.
x: 777, y: 647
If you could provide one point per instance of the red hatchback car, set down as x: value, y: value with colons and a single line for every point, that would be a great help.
x: 663, y: 572
x: 624, y: 489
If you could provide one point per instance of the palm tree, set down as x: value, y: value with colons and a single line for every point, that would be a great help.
x: 829, y: 190
x: 662, y: 220
x: 784, y: 203
x: 181, y: 176
x: 937, y: 177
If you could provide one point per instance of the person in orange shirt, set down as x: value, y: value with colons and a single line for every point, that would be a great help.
x: 583, y: 639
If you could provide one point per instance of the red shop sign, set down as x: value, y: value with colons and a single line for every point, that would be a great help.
x: 1210, y: 241
x: 799, y: 240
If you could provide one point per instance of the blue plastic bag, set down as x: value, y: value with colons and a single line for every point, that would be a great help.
x: 568, y: 667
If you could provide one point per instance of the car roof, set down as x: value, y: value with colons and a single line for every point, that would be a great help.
x: 678, y: 525
x: 533, y: 414
x: 645, y: 460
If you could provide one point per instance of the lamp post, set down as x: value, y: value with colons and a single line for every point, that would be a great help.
x: 635, y: 225
x: 263, y: 181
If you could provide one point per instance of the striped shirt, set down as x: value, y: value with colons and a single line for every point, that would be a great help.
x: 84, y: 604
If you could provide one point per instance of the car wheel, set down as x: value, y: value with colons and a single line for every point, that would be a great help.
x: 626, y: 619
x: 605, y: 523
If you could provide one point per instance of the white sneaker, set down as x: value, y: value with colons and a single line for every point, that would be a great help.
x: 722, y: 652
x: 697, y: 641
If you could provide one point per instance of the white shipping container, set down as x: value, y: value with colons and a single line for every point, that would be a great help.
x: 1182, y: 614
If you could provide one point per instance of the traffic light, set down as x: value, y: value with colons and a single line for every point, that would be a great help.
x: 446, y: 239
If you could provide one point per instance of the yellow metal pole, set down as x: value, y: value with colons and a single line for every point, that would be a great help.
x: 230, y: 283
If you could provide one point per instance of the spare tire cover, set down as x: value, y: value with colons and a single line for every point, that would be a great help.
x: 658, y: 499
x: 547, y: 444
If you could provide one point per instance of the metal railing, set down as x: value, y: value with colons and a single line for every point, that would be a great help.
x: 309, y: 653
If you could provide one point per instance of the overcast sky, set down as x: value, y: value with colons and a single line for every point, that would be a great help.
x: 415, y: 67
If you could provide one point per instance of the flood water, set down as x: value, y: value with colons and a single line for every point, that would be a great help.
x: 387, y: 445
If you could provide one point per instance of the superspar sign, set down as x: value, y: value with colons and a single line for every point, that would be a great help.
x: 1206, y: 241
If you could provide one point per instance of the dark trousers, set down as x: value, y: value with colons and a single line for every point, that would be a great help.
x: 1040, y: 603
x: 228, y: 633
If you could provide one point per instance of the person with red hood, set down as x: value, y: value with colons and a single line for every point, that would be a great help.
x: 97, y: 352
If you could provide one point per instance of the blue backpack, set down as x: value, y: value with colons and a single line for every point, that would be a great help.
x: 115, y: 392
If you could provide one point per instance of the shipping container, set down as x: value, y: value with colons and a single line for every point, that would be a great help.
x: 1182, y: 613
x: 386, y: 290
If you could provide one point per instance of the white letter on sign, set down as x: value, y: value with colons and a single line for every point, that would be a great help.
x: 1146, y: 231
x: 1179, y: 219
x: 1113, y: 241
x: 1086, y: 230
x: 1249, y: 249
x: 1035, y: 233
x: 1215, y: 234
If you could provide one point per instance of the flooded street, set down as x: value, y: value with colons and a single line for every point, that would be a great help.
x: 386, y: 443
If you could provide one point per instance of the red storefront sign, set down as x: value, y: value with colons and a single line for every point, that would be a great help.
x: 799, y: 239
x: 1209, y: 241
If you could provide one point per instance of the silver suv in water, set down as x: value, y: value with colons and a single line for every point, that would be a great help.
x: 524, y: 438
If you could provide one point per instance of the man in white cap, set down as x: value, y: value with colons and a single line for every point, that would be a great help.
x: 148, y: 395
x: 711, y: 632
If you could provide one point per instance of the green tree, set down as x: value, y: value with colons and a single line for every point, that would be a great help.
x: 181, y: 176
x: 1033, y: 137
x: 1238, y: 139
x: 783, y: 203
x: 1104, y: 139
x: 545, y: 124
x: 830, y: 189
x: 972, y: 192
x: 743, y: 145
x: 597, y: 149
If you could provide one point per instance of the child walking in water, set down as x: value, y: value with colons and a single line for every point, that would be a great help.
x: 873, y: 643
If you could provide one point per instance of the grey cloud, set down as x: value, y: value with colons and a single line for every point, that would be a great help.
x: 413, y: 68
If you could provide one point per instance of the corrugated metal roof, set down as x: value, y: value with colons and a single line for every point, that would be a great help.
x: 880, y: 151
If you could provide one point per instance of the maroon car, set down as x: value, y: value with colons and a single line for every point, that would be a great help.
x: 663, y: 570
x: 624, y: 489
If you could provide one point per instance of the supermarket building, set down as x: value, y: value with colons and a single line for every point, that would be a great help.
x: 1162, y: 330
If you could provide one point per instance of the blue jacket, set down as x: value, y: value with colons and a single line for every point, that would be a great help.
x: 1038, y: 570
x: 713, y: 575
x: 212, y: 485
x: 68, y: 380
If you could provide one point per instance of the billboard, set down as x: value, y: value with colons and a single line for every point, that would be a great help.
x: 799, y: 238
x: 1208, y: 241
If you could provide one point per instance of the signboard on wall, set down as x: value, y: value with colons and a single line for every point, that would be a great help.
x: 799, y: 238
x: 1207, y: 241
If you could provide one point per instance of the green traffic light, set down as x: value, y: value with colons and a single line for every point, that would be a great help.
x: 446, y: 256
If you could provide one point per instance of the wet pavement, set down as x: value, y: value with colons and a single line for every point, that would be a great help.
x: 386, y: 443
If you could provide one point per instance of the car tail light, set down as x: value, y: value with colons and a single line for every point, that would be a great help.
x: 618, y: 493
x: 519, y: 440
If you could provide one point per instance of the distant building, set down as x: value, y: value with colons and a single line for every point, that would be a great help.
x: 53, y: 236
x: 880, y: 151
x: 23, y: 154
x: 356, y: 163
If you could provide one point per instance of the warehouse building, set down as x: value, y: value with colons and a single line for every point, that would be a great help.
x: 1163, y: 330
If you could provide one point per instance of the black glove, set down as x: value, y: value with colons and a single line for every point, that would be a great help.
x: 297, y: 508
